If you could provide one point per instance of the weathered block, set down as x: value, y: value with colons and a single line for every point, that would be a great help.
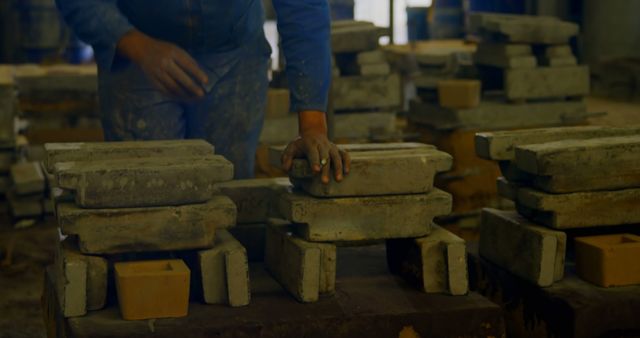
x: 561, y: 184
x: 581, y: 209
x: 304, y: 269
x: 252, y: 238
x: 110, y: 231
x: 375, y: 69
x: 501, y: 145
x: 36, y: 80
x: 68, y: 257
x: 507, y: 189
x: 529, y: 251
x: 225, y: 272
x: 105, y: 151
x: 372, y: 57
x: 523, y: 28
x: 255, y: 198
x: 610, y: 260
x: 278, y: 104
x: 143, y: 182
x: 459, y: 94
x: 558, y: 51
x: 564, y: 61
x: 436, y: 263
x: 369, y: 175
x: 505, y: 55
x: 546, y: 82
x: 491, y: 115
x: 24, y: 206
x: 355, y: 36
x: 365, y: 92
x: 71, y: 285
x: 593, y: 157
x: 27, y: 178
x: 363, y: 218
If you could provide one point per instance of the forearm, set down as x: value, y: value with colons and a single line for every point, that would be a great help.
x: 312, y: 121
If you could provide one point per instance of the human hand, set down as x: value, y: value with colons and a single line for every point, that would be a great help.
x: 169, y: 68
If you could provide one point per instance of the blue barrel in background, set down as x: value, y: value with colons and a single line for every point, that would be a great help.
x: 417, y: 23
x: 447, y: 20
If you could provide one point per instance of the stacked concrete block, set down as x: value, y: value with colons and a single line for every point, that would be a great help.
x: 138, y: 198
x: 8, y: 112
x: 561, y: 179
x: 27, y: 193
x: 369, y: 204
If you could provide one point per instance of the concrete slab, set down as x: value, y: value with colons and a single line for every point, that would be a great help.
x: 524, y: 28
x: 356, y: 38
x: 546, y: 82
x: 104, y: 151
x: 372, y: 57
x: 27, y: 178
x: 367, y: 92
x: 128, y: 183
x: 363, y: 218
x: 110, y: 231
x: 69, y: 257
x: 375, y: 69
x: 523, y: 248
x: 506, y: 56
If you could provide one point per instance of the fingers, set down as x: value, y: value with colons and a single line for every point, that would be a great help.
x: 346, y: 161
x: 186, y: 62
x: 313, y: 154
x: 184, y: 80
x: 336, y: 162
x: 170, y: 86
x: 325, y: 161
x: 292, y: 151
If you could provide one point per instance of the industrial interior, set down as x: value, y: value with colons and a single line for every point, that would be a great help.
x: 319, y: 168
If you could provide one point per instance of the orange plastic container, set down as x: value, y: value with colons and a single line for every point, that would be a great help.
x: 610, y: 260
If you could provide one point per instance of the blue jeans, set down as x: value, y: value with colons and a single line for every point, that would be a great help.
x: 230, y: 116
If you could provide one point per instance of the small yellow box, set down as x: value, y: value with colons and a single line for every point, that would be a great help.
x: 459, y: 94
x: 610, y: 260
x: 152, y: 289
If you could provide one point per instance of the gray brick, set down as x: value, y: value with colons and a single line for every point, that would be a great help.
x: 546, y: 82
x: 225, y: 272
x: 27, y: 178
x: 110, y: 231
x: 375, y: 69
x: 355, y: 36
x: 255, y: 198
x: 558, y: 51
x: 436, y: 263
x: 501, y: 145
x: 143, y: 182
x: 363, y: 218
x: 505, y: 56
x: 366, y: 92
x: 523, y: 28
x: 372, y: 57
x: 104, y: 151
x: 564, y: 61
x: 529, y: 251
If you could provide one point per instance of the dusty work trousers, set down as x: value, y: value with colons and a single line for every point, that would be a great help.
x: 230, y: 116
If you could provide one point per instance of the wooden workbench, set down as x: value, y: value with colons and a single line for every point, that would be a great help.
x: 369, y: 303
x: 569, y: 308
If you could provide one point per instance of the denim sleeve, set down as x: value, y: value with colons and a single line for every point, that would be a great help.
x: 96, y: 22
x: 305, y: 28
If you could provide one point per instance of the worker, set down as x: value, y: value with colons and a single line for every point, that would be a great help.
x: 170, y: 69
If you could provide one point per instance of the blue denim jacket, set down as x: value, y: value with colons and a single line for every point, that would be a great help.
x: 211, y: 26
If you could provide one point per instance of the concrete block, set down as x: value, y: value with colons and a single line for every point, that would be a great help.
x: 558, y: 51
x: 68, y: 258
x: 355, y: 37
x: 610, y: 260
x: 143, y: 182
x: 436, y: 263
x: 38, y: 81
x: 225, y: 272
x: 375, y: 69
x: 495, y: 115
x: 497, y: 49
x: 505, y: 56
x: 363, y: 218
x: 110, y: 231
x: 6, y: 161
x: 71, y: 285
x: 252, y: 238
x: 369, y: 175
x: 529, y: 251
x: 501, y: 145
x: 459, y: 94
x: 254, y: 198
x: 546, y: 82
x: 152, y: 289
x: 564, y: 61
x: 580, y: 209
x: 27, y: 178
x: 304, y: 269
x: 105, y: 151
x: 372, y: 57
x: 523, y: 28
x: 592, y: 157
x: 278, y: 104
x: 562, y: 184
x: 24, y: 206
x: 367, y: 92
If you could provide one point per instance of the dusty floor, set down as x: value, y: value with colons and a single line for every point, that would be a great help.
x: 21, y: 276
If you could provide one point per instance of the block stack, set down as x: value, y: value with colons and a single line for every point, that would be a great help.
x: 560, y: 179
x: 388, y: 195
x: 123, y: 200
x: 529, y: 75
x: 8, y: 107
